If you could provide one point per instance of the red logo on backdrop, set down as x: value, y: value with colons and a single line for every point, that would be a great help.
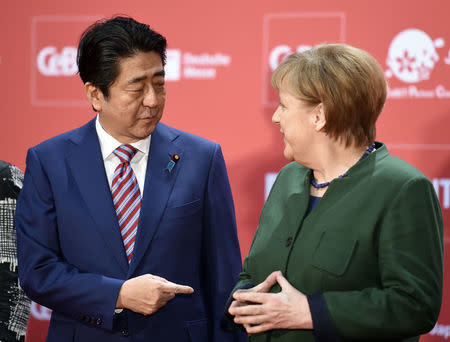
x: 54, y: 79
x: 418, y: 66
x: 286, y: 33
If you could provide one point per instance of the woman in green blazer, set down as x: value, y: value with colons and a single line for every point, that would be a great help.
x: 349, y: 245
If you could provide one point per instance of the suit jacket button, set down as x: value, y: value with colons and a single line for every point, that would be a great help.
x: 125, y: 332
x: 288, y: 241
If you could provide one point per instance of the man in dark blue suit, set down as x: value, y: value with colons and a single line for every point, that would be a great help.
x: 126, y: 226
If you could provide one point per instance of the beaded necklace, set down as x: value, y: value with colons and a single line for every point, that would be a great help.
x: 323, y: 185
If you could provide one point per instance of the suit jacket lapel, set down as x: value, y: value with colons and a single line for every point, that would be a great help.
x: 159, y: 183
x: 88, y: 170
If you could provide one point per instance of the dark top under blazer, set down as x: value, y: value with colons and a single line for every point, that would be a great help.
x: 373, y: 247
x: 71, y: 255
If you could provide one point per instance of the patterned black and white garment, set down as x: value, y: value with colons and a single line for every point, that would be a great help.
x: 14, y: 306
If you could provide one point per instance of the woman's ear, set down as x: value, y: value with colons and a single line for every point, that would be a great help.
x: 319, y: 117
x: 94, y: 96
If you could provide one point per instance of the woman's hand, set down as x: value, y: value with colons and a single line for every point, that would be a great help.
x: 260, y: 311
x: 263, y: 287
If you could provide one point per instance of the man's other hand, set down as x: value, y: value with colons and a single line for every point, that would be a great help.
x: 147, y: 293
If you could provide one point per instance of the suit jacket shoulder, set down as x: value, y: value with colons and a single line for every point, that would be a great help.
x: 58, y: 147
x: 183, y: 138
x: 397, y: 169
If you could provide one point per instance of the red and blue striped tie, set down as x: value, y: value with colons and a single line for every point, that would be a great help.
x: 126, y: 197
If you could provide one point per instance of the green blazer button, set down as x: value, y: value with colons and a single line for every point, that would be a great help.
x: 288, y: 241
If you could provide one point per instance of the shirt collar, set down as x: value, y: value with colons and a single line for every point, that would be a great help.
x: 108, y: 143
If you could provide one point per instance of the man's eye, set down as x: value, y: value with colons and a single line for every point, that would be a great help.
x: 137, y: 90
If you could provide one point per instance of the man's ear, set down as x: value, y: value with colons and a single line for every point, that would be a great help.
x: 319, y: 117
x: 94, y: 96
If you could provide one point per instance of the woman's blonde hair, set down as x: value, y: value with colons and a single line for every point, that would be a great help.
x: 348, y: 81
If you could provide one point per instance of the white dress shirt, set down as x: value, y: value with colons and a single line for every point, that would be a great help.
x: 139, y: 162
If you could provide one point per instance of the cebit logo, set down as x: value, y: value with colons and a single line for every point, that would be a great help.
x: 412, y: 56
x: 280, y: 52
x: 281, y: 38
x: 53, y: 80
x: 50, y: 62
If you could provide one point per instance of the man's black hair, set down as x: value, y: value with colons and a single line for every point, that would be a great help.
x: 106, y: 42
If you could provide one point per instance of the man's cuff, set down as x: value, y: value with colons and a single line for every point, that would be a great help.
x: 324, y: 328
